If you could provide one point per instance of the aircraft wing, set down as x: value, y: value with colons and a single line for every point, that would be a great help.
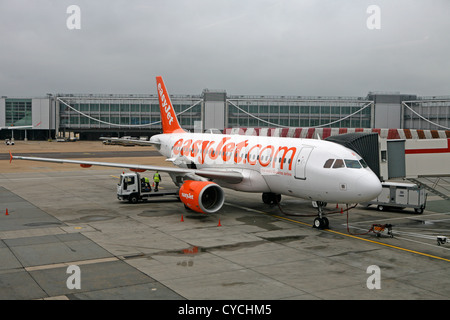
x: 20, y: 127
x: 16, y: 127
x: 129, y: 142
x: 229, y: 176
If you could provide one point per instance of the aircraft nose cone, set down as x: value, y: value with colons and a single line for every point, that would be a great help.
x: 369, y: 187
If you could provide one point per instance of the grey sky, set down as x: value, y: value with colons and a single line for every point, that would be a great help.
x: 267, y: 47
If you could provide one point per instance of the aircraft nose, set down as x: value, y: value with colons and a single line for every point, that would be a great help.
x: 369, y: 187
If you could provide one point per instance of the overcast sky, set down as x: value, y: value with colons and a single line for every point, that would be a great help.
x: 261, y: 47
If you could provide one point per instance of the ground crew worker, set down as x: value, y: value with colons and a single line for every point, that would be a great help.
x: 145, y: 182
x: 156, y: 180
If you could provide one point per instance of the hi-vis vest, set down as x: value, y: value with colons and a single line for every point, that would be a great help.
x: 156, y: 177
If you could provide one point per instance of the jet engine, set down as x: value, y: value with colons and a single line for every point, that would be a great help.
x: 202, y: 196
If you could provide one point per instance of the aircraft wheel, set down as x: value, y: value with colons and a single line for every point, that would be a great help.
x: 278, y: 198
x: 321, y: 223
x: 318, y: 223
x: 326, y: 223
x: 266, y: 198
x: 271, y: 198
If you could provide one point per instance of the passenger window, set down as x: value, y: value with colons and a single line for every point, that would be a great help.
x: 328, y: 163
x: 339, y: 163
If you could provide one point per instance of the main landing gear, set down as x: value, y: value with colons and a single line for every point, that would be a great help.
x: 271, y: 198
x: 321, y: 222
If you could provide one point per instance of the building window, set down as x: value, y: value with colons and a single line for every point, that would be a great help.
x: 18, y: 112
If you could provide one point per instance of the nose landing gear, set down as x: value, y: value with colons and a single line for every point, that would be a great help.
x: 321, y: 222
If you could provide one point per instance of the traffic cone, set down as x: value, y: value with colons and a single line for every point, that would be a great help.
x: 219, y: 225
x: 6, y: 214
x: 337, y: 205
x: 182, y: 219
x: 342, y: 210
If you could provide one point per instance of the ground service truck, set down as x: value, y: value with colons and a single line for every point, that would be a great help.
x: 131, y: 188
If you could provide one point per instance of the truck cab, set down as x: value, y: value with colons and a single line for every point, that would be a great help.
x: 131, y: 188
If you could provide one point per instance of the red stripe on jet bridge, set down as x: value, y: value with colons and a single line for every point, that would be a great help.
x: 408, y: 133
x: 297, y: 132
x: 435, y: 150
x: 310, y: 133
x: 326, y: 133
x: 393, y: 134
x: 421, y: 134
x: 377, y: 131
x: 434, y: 134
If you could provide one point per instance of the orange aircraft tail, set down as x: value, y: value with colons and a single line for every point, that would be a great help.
x: 169, y: 119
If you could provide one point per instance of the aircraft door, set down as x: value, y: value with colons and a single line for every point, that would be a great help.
x: 300, y: 163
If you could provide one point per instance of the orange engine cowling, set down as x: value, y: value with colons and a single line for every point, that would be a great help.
x: 202, y: 196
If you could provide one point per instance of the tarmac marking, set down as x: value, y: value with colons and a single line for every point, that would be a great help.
x: 25, y: 233
x: 347, y: 235
x: 418, y: 217
x: 66, y: 264
x: 390, y: 246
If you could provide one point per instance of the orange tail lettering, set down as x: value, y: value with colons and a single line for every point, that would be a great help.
x: 169, y: 119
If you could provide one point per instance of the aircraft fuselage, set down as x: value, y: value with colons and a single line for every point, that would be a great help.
x: 307, y: 168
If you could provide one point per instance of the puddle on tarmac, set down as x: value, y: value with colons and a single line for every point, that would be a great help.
x: 92, y: 218
x: 423, y: 222
x: 194, y: 250
x: 156, y: 213
x: 39, y: 224
x: 285, y: 238
x: 264, y: 222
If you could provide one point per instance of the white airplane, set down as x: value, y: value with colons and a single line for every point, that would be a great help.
x: 12, y: 127
x: 315, y: 170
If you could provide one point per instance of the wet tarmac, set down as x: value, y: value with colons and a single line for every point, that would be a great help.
x: 249, y: 250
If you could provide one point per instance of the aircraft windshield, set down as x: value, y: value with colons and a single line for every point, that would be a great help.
x: 340, y: 163
x: 363, y: 163
x: 353, y: 164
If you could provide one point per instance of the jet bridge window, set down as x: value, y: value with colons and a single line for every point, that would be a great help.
x: 353, y: 164
x: 328, y: 163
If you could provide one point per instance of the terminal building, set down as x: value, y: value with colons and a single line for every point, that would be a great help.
x: 413, y: 131
x: 89, y: 116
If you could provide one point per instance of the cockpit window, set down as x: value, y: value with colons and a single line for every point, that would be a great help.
x: 353, y: 164
x: 363, y: 163
x: 339, y: 163
x: 328, y: 163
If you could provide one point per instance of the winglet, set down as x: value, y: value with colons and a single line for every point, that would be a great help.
x: 168, y: 117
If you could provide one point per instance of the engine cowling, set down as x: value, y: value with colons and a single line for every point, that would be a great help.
x: 202, y: 196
